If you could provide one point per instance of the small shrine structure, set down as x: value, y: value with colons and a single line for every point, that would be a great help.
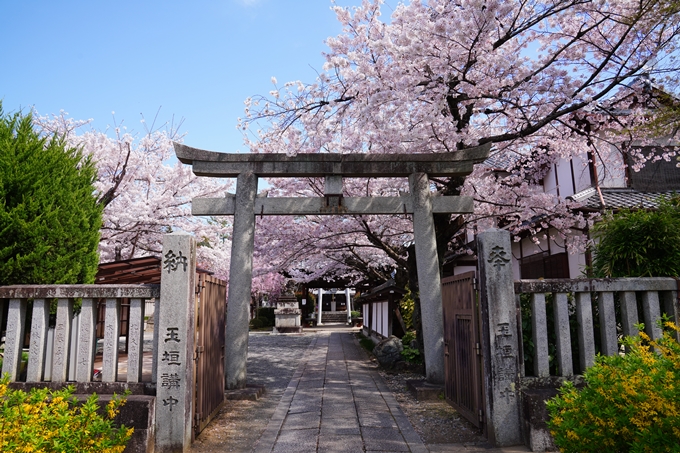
x: 287, y: 315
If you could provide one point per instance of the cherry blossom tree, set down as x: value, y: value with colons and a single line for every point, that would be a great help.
x: 352, y: 248
x: 535, y: 78
x: 145, y: 192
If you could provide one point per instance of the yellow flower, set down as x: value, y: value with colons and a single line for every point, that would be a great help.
x: 572, y: 435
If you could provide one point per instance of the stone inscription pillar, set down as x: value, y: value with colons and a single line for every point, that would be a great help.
x: 16, y: 320
x: 87, y: 342
x: 348, y: 305
x: 240, y: 282
x: 499, y: 338
x: 319, y: 305
x: 429, y: 280
x: 62, y: 340
x: 39, y: 327
x: 176, y: 324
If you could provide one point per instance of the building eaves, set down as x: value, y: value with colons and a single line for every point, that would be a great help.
x: 619, y: 198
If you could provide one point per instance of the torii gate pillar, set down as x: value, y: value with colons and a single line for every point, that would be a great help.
x: 240, y: 282
x: 429, y: 280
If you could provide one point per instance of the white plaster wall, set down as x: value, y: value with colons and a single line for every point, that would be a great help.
x: 558, y: 181
x: 385, y: 314
x: 558, y: 245
x: 550, y: 182
x: 374, y: 321
x: 581, y: 172
x: 564, y: 178
x: 530, y: 248
x: 577, y: 265
x: 514, y: 246
x: 463, y: 269
x: 610, y: 170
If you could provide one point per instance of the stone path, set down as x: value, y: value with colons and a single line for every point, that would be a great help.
x: 337, y: 402
x: 323, y: 395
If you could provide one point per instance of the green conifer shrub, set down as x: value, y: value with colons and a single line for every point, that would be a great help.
x: 49, y: 216
x: 639, y: 243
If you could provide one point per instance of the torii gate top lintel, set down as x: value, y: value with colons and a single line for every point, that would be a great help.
x: 230, y: 165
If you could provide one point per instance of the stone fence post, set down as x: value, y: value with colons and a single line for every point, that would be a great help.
x: 500, y: 338
x: 175, y: 364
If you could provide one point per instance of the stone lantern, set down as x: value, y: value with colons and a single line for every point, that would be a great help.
x: 287, y: 314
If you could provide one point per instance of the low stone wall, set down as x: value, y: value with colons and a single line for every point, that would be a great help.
x: 534, y: 413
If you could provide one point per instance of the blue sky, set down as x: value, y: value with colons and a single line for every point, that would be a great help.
x: 195, y: 60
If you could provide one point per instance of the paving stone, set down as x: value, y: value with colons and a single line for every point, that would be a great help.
x: 310, y: 384
x: 301, y: 420
x: 377, y: 420
x: 302, y: 440
x: 338, y: 410
x: 297, y: 407
x: 340, y: 444
x: 345, y: 398
x: 383, y: 439
x: 337, y: 388
x: 337, y: 429
x: 314, y: 375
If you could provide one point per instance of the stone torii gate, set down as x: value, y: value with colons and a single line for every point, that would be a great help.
x: 245, y: 205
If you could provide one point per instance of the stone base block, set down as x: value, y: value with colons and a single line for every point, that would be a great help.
x: 535, y: 415
x: 139, y: 413
x: 287, y: 323
x: 287, y: 330
x: 424, y: 390
x: 251, y: 392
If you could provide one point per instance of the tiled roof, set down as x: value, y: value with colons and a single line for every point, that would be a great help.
x: 619, y: 198
x: 501, y: 161
x: 381, y: 292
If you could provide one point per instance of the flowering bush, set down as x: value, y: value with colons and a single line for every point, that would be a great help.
x: 631, y: 402
x: 45, y: 421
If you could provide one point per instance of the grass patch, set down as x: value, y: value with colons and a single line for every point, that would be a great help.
x: 365, y: 342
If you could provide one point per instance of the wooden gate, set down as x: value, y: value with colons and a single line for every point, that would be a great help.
x: 462, y: 350
x: 210, y: 338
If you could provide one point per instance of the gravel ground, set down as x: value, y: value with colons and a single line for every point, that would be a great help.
x: 272, y: 360
x: 436, y: 422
